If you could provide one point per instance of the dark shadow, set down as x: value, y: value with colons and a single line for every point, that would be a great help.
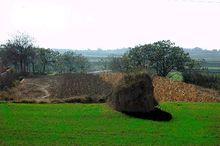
x: 155, y: 115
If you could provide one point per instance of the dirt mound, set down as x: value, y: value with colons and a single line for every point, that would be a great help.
x: 167, y: 90
x: 112, y: 78
x: 99, y: 87
x: 74, y: 86
x: 37, y: 87
x: 71, y: 85
x: 133, y: 93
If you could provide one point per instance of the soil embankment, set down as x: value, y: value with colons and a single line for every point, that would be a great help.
x: 99, y: 86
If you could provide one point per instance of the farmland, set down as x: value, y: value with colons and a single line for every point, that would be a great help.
x: 213, y: 66
x: 96, y: 124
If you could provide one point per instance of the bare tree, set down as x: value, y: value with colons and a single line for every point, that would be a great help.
x: 19, y: 52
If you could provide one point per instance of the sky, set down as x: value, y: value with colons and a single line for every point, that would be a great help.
x: 112, y: 24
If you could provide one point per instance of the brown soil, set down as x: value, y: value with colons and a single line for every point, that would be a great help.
x: 45, y: 87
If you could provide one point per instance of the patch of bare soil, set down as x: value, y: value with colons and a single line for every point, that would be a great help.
x: 37, y: 87
x: 99, y: 86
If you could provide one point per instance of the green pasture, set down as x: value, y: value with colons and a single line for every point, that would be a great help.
x: 97, y: 124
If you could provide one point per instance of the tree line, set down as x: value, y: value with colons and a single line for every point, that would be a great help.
x: 21, y: 54
x: 160, y: 57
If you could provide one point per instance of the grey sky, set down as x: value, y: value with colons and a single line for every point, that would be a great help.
x: 111, y: 24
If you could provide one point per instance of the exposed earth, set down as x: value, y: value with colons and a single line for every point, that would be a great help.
x: 47, y: 87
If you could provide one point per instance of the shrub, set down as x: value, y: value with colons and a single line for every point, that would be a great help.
x: 175, y: 76
x: 5, y: 96
x: 25, y: 101
x: 203, y: 79
x: 43, y: 101
x: 56, y: 101
x: 133, y: 93
x: 79, y: 99
x: 7, y: 80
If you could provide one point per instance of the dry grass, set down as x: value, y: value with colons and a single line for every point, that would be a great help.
x: 81, y: 85
x: 167, y: 90
x: 112, y: 78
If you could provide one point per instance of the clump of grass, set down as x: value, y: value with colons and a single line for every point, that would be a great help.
x: 202, y: 79
x: 56, y: 100
x: 25, y: 101
x: 79, y: 99
x: 175, y: 76
x: 133, y: 93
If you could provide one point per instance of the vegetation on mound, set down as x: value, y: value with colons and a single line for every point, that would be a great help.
x: 96, y: 88
x: 82, y: 84
x: 203, y: 79
x: 168, y: 90
x: 133, y: 93
x: 96, y: 124
x: 175, y: 76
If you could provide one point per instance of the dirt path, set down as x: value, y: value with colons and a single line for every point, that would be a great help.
x: 42, y: 88
x: 38, y: 87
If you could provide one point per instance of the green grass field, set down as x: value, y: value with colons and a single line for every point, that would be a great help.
x: 96, y: 124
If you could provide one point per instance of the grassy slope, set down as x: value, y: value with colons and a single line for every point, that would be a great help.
x: 67, y: 124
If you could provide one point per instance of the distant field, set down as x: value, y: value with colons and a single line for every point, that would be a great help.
x: 214, y: 68
x: 96, y: 124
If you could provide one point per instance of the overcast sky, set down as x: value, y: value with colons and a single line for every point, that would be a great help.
x: 111, y: 24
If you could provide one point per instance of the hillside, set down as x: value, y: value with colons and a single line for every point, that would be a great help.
x: 96, y: 88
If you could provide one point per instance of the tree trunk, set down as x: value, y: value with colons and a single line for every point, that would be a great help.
x: 44, y: 67
x: 21, y: 65
x: 33, y: 67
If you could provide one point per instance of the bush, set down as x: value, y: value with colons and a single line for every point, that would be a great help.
x: 56, y: 101
x: 25, y: 101
x: 203, y: 79
x: 79, y: 99
x: 5, y: 96
x: 175, y: 76
x: 133, y: 93
x: 7, y: 80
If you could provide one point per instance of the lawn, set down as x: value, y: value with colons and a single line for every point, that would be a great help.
x: 96, y: 124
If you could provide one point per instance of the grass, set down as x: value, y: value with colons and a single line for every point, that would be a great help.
x: 97, y: 124
x: 175, y: 76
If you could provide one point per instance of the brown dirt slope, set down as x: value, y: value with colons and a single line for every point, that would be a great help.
x: 167, y: 90
x: 36, y: 87
x: 65, y: 86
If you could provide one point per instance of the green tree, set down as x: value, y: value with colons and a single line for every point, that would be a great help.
x: 45, y: 59
x: 119, y: 64
x: 162, y: 56
x: 165, y: 57
x: 104, y: 63
x: 74, y: 62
